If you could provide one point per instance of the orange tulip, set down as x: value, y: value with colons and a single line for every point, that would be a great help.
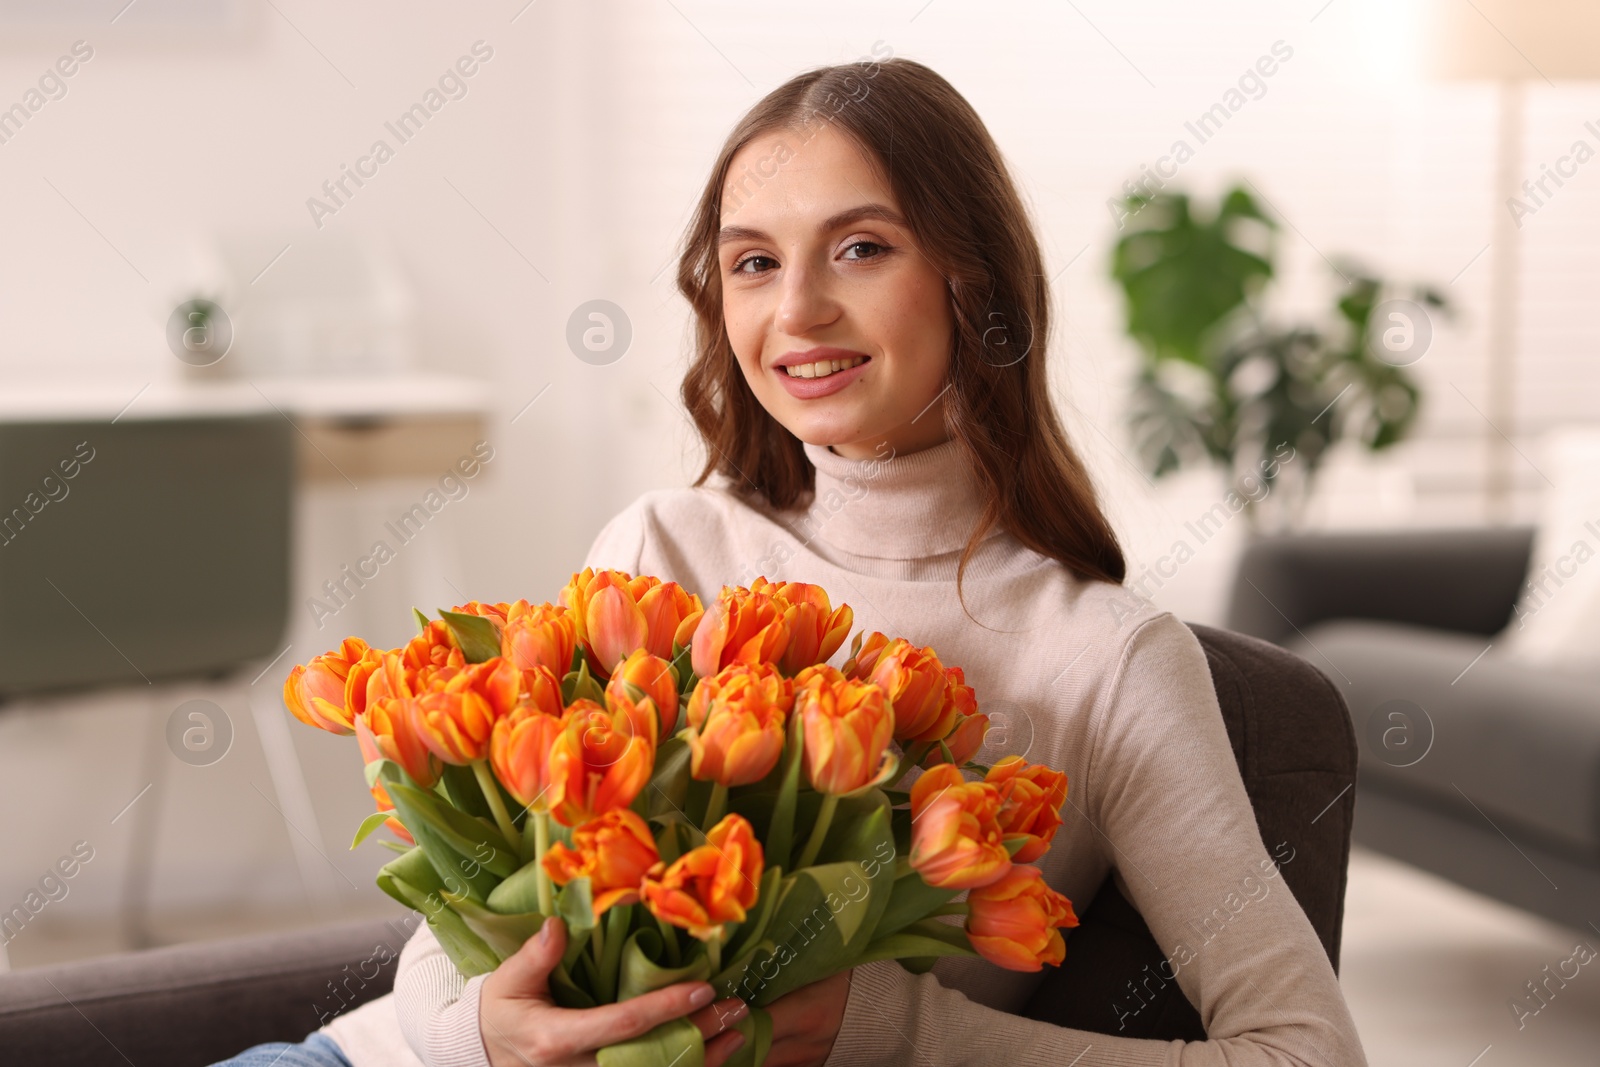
x: 599, y: 761
x: 1013, y: 921
x: 541, y: 689
x: 434, y: 647
x: 316, y: 692
x: 671, y: 614
x: 650, y: 676
x: 914, y: 680
x: 457, y: 715
x: 736, y: 719
x: 816, y: 628
x: 616, y: 613
x: 966, y: 736
x: 540, y: 635
x: 740, y: 627
x: 519, y: 753
x: 956, y: 842
x: 613, y: 851
x: 1031, y: 796
x: 716, y: 883
x: 385, y: 730
x: 848, y: 725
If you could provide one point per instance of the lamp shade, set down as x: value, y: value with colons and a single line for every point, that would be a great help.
x: 1512, y: 40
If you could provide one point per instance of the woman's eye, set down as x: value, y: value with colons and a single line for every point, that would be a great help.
x: 877, y: 249
x: 738, y: 268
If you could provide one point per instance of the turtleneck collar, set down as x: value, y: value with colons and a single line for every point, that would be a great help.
x: 892, y: 506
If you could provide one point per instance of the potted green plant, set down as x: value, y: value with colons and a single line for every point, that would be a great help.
x: 1221, y: 382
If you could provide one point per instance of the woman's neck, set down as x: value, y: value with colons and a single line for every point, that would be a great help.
x: 893, y: 505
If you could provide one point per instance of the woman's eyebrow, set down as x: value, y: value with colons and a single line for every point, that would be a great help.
x: 833, y: 222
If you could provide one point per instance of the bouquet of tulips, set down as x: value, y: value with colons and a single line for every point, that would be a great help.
x: 695, y: 791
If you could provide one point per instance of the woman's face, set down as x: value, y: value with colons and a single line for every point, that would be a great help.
x: 819, y: 272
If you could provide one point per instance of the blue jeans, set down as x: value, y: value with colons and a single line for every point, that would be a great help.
x: 318, y: 1050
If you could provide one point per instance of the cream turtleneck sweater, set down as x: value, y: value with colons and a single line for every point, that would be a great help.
x: 1076, y: 674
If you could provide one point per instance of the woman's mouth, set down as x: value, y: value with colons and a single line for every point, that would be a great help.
x: 822, y: 368
x: 808, y: 381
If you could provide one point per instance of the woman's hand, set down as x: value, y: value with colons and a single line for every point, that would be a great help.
x: 806, y: 1022
x: 522, y: 1026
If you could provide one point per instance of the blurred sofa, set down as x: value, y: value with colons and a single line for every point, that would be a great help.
x: 1473, y: 765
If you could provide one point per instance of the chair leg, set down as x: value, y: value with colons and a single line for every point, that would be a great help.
x: 294, y: 802
x: 144, y: 834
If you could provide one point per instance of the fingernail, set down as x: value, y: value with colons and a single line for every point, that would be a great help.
x: 544, y: 931
x: 737, y: 1042
x: 701, y: 996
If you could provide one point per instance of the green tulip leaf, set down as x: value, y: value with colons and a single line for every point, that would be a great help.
x: 755, y: 925
x: 780, y: 831
x: 639, y: 972
x: 479, y: 843
x: 476, y: 635
x: 413, y: 881
x: 422, y: 620
x: 575, y: 905
x: 464, y: 791
x: 456, y: 869
x: 504, y: 934
x: 756, y: 1026
x: 910, y: 900
x: 675, y: 1043
x: 368, y: 826
x: 519, y: 893
x: 928, y: 938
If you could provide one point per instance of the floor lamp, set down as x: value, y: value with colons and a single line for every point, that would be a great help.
x: 1509, y: 43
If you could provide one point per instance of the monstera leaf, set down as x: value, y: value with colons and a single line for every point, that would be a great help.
x: 1184, y: 275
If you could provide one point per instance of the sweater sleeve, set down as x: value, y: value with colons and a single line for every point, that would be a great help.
x: 437, y: 1008
x: 1164, y: 793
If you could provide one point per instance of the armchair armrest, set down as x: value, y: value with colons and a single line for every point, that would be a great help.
x: 1465, y: 580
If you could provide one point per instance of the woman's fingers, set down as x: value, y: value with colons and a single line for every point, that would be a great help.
x: 713, y: 1019
x: 526, y: 972
x: 720, y: 1048
x: 592, y: 1028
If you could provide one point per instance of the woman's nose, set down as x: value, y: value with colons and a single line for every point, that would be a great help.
x: 805, y: 303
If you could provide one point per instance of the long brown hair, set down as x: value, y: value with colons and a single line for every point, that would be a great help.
x: 962, y: 206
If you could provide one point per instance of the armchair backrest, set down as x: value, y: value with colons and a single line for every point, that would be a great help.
x: 1296, y: 747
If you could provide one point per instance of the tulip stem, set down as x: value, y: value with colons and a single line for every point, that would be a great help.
x: 819, y: 830
x: 497, y: 806
x: 597, y: 946
x: 958, y: 907
x: 717, y: 805
x: 714, y: 954
x: 541, y: 845
x: 669, y: 937
x: 913, y: 755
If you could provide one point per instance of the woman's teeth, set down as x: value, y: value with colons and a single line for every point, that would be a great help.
x: 823, y: 368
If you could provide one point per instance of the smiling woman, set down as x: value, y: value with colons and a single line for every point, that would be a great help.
x: 871, y: 329
x: 883, y: 286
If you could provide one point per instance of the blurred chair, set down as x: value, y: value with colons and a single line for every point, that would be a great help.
x: 139, y: 552
x: 1296, y: 749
